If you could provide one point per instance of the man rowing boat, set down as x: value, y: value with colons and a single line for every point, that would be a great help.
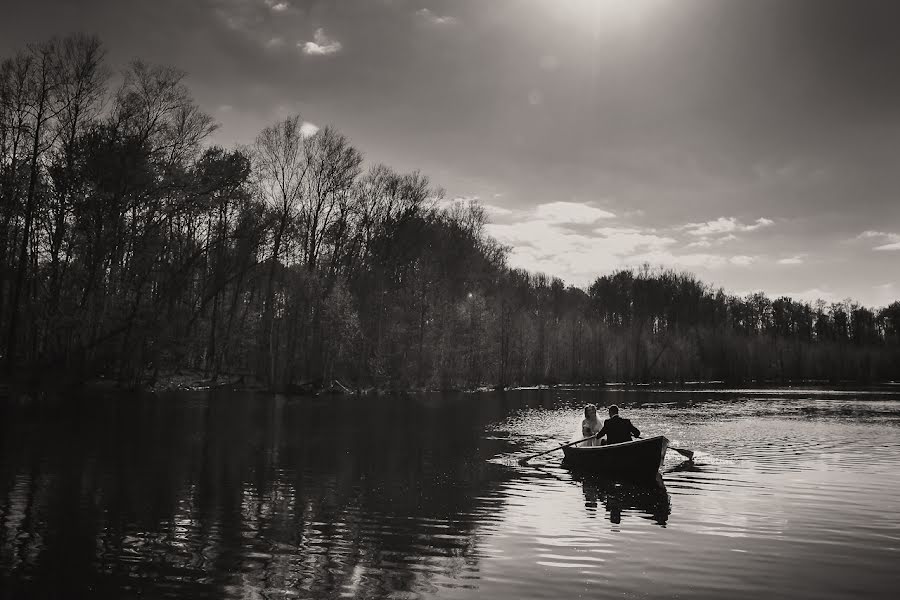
x: 617, y: 429
x: 649, y: 452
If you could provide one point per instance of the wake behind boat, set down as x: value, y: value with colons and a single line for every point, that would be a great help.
x: 637, y: 458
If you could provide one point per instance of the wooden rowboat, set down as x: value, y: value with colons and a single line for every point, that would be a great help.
x: 638, y: 458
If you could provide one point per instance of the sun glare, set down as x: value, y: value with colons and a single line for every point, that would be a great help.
x: 603, y: 14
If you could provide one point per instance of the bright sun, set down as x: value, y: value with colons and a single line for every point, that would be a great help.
x: 606, y: 13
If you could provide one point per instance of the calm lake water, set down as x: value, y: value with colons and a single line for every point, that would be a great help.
x: 792, y: 494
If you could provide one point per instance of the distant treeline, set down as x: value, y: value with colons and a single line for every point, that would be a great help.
x: 130, y: 248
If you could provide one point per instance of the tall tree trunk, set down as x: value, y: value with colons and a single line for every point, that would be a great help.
x: 12, y: 340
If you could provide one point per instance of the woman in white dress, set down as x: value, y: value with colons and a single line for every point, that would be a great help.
x: 590, y: 425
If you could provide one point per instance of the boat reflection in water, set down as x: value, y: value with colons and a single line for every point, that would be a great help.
x: 646, y: 498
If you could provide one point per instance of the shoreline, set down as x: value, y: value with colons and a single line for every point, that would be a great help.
x: 192, y: 381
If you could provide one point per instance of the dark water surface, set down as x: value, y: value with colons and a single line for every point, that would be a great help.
x: 792, y: 494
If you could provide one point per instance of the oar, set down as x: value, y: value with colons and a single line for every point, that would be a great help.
x: 524, y: 461
x: 688, y: 454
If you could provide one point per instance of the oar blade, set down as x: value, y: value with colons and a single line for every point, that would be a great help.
x: 524, y: 461
x: 688, y: 454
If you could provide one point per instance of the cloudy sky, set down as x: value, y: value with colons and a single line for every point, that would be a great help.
x: 754, y: 143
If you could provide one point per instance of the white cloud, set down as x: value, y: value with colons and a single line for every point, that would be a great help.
x: 570, y: 212
x: 622, y: 230
x: 892, y: 240
x: 430, y: 17
x: 496, y: 211
x: 578, y: 241
x: 308, y: 129
x: 543, y: 239
x: 705, y: 242
x: 545, y: 246
x: 792, y: 260
x: 322, y: 45
x: 742, y: 260
x: 624, y: 240
x: 249, y: 19
x: 722, y: 225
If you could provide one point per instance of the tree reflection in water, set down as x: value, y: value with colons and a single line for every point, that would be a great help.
x: 237, y: 496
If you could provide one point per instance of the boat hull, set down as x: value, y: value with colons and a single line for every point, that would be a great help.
x: 638, y: 458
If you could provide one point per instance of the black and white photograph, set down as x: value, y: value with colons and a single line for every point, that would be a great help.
x: 450, y: 299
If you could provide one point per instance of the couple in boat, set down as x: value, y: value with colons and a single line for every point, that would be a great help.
x: 615, y: 428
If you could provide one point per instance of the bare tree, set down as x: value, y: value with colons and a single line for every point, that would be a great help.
x: 43, y: 105
x: 82, y: 86
x: 280, y: 169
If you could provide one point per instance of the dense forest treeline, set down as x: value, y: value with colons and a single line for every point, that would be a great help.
x: 130, y: 248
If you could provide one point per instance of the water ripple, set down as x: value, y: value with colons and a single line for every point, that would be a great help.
x: 243, y: 498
